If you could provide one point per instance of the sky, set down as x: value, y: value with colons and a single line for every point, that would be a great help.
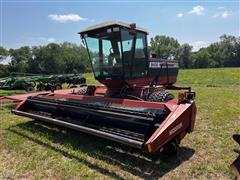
x: 199, y: 23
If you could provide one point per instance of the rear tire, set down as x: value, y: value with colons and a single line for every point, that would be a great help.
x: 82, y: 85
x: 82, y: 91
x: 160, y: 96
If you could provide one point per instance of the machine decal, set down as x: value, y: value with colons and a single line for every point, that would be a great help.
x: 155, y: 64
x: 172, y: 131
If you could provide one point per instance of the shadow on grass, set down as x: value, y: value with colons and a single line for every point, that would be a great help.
x: 9, y: 106
x: 128, y: 159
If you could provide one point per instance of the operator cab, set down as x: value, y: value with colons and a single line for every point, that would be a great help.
x: 117, y: 50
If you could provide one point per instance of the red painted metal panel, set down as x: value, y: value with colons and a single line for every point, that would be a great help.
x: 142, y: 81
x: 22, y: 97
x: 176, y: 122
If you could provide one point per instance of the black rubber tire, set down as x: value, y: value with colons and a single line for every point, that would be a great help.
x: 171, y: 148
x: 160, y: 96
x: 82, y: 85
x: 29, y: 89
x: 82, y: 91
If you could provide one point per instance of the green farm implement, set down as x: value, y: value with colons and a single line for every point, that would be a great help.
x: 41, y: 82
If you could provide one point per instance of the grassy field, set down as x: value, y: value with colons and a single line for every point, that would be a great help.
x: 29, y: 149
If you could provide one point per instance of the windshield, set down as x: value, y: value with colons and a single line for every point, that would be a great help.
x: 117, y: 52
x: 105, y: 53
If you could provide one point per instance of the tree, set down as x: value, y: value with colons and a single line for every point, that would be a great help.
x: 71, y: 58
x: 20, y: 58
x: 3, y: 51
x: 184, y: 56
x: 230, y: 48
x: 201, y: 58
x: 225, y: 53
x: 216, y: 55
x: 164, y: 47
x: 3, y: 55
x: 3, y: 70
x: 75, y: 58
x: 59, y: 58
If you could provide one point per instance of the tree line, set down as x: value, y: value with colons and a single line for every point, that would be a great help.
x: 50, y: 59
x: 225, y: 53
x: 71, y: 58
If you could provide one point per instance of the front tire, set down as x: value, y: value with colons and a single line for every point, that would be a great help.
x: 160, y: 96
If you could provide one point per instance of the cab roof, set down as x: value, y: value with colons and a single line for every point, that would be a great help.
x: 109, y: 24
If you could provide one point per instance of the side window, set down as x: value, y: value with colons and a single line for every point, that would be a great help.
x: 127, y: 44
x: 107, y: 66
x: 93, y: 44
x: 139, y: 52
x: 140, y: 56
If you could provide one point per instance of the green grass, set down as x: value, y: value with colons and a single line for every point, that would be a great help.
x: 11, y: 92
x: 90, y: 78
x: 29, y: 149
x: 210, y: 77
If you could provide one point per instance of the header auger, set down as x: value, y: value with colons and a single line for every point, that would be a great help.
x: 133, y: 107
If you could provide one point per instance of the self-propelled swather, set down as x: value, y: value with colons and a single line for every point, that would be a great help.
x: 133, y: 107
